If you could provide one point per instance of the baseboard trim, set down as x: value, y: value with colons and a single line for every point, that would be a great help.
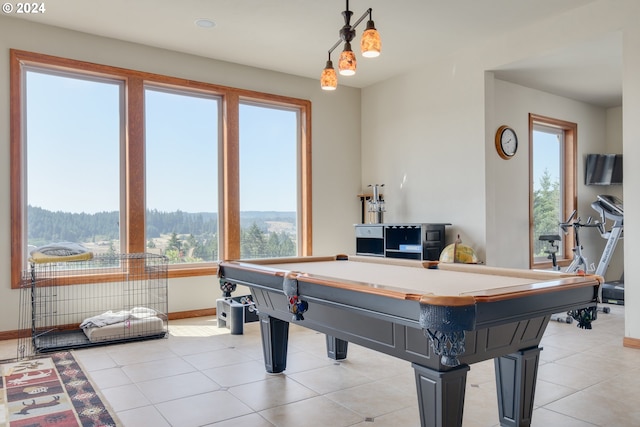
x: 192, y: 313
x: 12, y: 335
x: 631, y: 342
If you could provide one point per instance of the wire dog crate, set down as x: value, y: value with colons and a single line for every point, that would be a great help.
x: 102, y: 300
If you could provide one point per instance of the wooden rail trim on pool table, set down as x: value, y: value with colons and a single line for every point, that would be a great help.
x: 448, y: 301
x: 358, y: 258
x: 284, y: 260
x: 563, y: 280
x: 493, y: 295
x: 392, y: 261
x: 502, y: 271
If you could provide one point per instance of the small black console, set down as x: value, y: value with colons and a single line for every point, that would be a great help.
x: 409, y: 241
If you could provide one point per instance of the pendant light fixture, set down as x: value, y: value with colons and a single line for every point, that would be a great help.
x: 329, y: 79
x: 370, y: 43
x: 347, y: 64
x: 370, y: 46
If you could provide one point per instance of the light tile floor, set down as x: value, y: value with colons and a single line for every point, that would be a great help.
x: 203, y: 376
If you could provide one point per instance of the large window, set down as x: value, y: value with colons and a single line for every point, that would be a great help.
x: 181, y: 153
x: 126, y: 161
x: 553, y: 185
x: 268, y: 189
x: 73, y: 134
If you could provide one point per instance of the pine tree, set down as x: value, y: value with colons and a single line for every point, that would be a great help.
x: 546, y: 210
x: 287, y: 247
x: 252, y: 242
x: 273, y: 245
x: 174, y: 243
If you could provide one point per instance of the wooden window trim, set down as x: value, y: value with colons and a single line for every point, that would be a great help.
x: 229, y: 221
x: 570, y: 189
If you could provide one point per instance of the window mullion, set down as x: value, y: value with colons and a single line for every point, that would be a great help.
x: 134, y: 167
x: 306, y: 244
x: 17, y: 164
x: 230, y: 221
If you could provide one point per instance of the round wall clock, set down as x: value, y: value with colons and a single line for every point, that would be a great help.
x: 506, y: 142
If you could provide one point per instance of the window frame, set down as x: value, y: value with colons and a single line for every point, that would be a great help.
x: 568, y: 186
x: 257, y: 103
x: 193, y: 93
x: 133, y: 172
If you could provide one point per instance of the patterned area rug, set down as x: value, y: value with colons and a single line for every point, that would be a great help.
x: 50, y: 391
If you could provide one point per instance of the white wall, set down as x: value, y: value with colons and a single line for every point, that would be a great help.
x: 429, y: 135
x: 423, y: 137
x: 335, y: 129
x: 630, y: 136
x: 613, y: 139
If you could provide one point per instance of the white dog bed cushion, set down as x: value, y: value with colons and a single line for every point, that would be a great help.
x: 130, y: 328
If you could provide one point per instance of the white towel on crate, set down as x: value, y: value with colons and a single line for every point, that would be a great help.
x: 111, y: 317
x: 108, y: 318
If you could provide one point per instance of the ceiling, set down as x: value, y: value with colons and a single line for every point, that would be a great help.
x: 293, y: 36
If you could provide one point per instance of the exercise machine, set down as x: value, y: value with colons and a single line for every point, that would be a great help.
x: 610, y: 208
x: 551, y: 240
x: 579, y: 264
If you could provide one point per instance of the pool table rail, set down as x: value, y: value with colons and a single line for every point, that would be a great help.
x: 545, y: 281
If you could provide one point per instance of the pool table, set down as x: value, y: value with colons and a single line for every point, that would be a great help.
x: 440, y: 317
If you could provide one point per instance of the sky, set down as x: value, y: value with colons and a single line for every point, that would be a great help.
x: 546, y: 156
x: 73, y: 140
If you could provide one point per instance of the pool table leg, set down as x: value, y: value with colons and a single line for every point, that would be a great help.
x: 275, y: 337
x: 336, y: 348
x: 441, y: 395
x: 516, y: 375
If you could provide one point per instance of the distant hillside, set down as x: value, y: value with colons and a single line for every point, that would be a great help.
x: 46, y: 226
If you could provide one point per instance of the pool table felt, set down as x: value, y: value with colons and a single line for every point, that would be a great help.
x: 450, y: 284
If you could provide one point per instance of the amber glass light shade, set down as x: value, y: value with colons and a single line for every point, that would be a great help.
x: 329, y: 79
x: 347, y: 64
x: 370, y: 44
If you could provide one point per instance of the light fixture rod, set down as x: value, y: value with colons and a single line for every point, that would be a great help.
x: 353, y: 27
x: 335, y: 46
x: 364, y: 15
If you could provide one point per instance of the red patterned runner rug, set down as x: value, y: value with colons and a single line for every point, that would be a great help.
x: 50, y: 391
